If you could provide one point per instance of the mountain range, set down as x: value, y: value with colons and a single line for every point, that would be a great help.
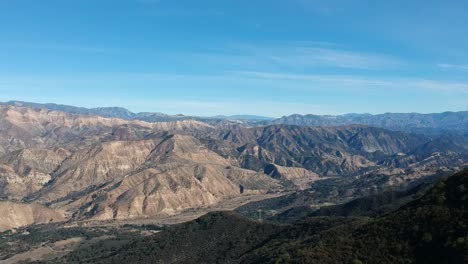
x: 437, y: 123
x: 97, y: 168
x: 63, y: 169
x: 123, y: 113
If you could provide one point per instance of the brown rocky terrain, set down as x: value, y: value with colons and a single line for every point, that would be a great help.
x: 163, y: 176
x: 108, y: 168
x: 15, y: 215
x: 28, y: 170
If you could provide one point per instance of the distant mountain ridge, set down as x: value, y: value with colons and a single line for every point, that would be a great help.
x: 123, y: 113
x: 110, y: 112
x: 245, y: 117
x: 436, y: 123
x: 410, y: 122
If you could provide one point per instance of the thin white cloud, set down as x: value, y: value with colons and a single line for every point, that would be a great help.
x: 448, y: 66
x: 333, y: 58
x: 296, y: 55
x: 274, y: 94
x: 357, y: 82
x: 273, y: 80
x: 313, y: 55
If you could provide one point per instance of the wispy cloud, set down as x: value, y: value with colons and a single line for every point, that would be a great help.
x: 357, y: 82
x: 323, y: 57
x: 279, y: 56
x: 247, y: 92
x: 313, y: 55
x: 230, y: 81
x: 453, y: 66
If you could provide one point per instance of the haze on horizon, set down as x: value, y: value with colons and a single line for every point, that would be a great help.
x: 208, y: 57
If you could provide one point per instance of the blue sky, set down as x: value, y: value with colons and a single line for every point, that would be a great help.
x: 210, y: 57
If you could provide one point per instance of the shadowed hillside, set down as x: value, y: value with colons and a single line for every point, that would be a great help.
x: 430, y: 229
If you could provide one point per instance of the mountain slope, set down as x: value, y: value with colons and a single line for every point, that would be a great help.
x: 27, y: 170
x: 16, y: 215
x: 328, y: 151
x: 162, y: 175
x: 431, y: 229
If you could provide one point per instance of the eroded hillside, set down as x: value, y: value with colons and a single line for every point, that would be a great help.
x: 96, y: 168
